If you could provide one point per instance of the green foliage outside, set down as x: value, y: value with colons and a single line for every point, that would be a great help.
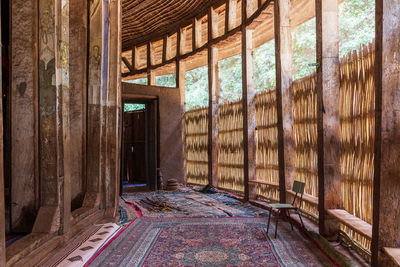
x: 138, y: 81
x: 166, y: 80
x: 133, y: 107
x: 196, y: 84
x: 356, y: 26
x: 304, y: 40
x: 230, y: 79
x: 264, y: 66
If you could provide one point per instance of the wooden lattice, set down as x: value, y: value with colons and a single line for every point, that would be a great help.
x: 357, y: 135
x: 196, y: 146
x: 267, y: 145
x: 230, y: 147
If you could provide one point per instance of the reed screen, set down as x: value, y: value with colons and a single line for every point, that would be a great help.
x: 230, y: 147
x: 357, y: 135
x: 305, y: 135
x: 197, y: 146
x: 267, y: 170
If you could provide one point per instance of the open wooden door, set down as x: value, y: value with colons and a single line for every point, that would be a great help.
x: 139, y: 159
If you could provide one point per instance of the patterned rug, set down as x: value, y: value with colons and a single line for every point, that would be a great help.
x: 209, y: 242
x: 189, y: 203
x: 127, y: 212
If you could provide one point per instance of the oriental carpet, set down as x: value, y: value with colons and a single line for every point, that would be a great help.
x: 234, y: 241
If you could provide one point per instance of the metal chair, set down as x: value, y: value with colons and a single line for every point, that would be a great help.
x: 298, y: 188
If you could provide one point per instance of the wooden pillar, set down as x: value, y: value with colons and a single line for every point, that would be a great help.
x: 2, y: 206
x: 249, y: 114
x: 249, y: 108
x: 284, y: 97
x: 55, y: 146
x: 386, y: 216
x: 78, y: 98
x: 213, y: 99
x: 95, y: 65
x: 328, y: 84
x: 151, y: 78
x: 180, y: 83
x: 24, y: 114
x: 112, y: 178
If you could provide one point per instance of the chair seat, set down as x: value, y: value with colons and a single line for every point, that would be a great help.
x: 282, y: 206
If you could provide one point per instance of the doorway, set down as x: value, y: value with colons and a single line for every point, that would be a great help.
x: 139, y: 145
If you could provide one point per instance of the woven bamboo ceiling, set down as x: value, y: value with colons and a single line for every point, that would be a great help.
x: 147, y: 19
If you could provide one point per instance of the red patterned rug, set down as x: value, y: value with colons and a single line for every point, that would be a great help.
x: 209, y: 242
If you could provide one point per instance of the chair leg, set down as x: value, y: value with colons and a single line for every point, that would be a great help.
x: 289, y: 218
x: 301, y: 220
x: 276, y: 225
x: 269, y: 219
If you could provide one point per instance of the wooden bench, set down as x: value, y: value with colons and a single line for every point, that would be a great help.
x: 352, y: 222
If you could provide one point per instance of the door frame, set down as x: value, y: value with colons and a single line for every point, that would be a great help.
x: 152, y: 137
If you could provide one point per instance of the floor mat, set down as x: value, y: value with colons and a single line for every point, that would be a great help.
x: 189, y: 203
x: 127, y: 212
x: 209, y: 242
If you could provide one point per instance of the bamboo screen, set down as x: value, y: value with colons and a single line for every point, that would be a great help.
x: 267, y: 145
x: 305, y: 136
x: 196, y: 146
x: 230, y: 147
x: 357, y: 133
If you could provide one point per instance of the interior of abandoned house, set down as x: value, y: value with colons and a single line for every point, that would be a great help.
x: 108, y: 158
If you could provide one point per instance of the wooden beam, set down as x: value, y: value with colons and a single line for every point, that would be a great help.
x: 177, y: 58
x: 2, y: 205
x: 328, y: 120
x: 249, y: 110
x: 386, y: 217
x: 165, y: 47
x: 148, y: 55
x: 126, y: 62
x: 212, y: 41
x: 283, y: 52
x: 213, y: 99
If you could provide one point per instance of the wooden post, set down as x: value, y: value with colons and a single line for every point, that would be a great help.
x: 24, y: 113
x: 230, y: 21
x: 249, y: 108
x: 328, y: 84
x: 2, y: 206
x: 213, y: 99
x: 65, y: 163
x: 78, y: 98
x: 151, y: 78
x: 249, y: 115
x: 113, y: 111
x: 164, y: 52
x: 283, y: 52
x: 386, y: 216
x: 180, y: 83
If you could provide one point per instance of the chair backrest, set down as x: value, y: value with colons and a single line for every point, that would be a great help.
x: 298, y: 188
